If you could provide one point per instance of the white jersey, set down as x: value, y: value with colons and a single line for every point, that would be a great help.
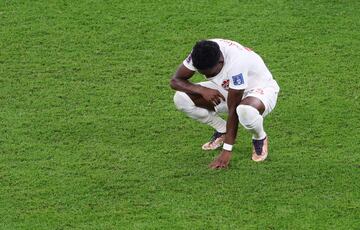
x: 242, y: 69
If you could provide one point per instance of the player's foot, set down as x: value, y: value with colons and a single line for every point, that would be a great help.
x: 215, y: 142
x: 260, y: 149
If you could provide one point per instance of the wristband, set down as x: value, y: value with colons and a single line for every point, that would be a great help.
x: 227, y: 147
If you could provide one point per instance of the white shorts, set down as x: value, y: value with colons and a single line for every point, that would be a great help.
x: 267, y: 95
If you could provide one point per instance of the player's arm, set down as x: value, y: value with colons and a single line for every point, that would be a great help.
x: 234, y: 99
x: 237, y: 85
x: 180, y: 82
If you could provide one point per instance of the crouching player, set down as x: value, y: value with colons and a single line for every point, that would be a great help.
x: 238, y: 83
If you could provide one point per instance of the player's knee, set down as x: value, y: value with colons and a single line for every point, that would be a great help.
x: 247, y: 115
x: 182, y: 101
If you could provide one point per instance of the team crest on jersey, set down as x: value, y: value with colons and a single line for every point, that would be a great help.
x: 238, y: 79
x: 225, y: 84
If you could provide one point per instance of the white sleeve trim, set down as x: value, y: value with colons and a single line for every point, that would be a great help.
x: 189, y: 65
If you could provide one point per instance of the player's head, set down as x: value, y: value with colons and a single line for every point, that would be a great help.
x: 206, y: 57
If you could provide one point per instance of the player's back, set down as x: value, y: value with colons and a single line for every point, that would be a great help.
x: 236, y: 55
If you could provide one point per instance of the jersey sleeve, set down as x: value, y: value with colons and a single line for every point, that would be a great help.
x: 238, y: 74
x: 188, y: 63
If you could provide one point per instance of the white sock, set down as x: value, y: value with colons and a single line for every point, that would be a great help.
x: 184, y: 103
x: 250, y: 118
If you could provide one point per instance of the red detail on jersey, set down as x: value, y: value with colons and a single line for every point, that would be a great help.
x: 247, y: 48
x: 229, y: 42
x: 225, y: 84
x: 259, y: 91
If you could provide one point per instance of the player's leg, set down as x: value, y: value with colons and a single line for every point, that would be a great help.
x: 254, y: 107
x: 250, y: 117
x: 205, y: 112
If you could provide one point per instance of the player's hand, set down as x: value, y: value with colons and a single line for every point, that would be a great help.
x: 222, y: 161
x: 212, y: 95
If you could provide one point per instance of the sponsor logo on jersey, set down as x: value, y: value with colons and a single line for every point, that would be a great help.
x: 238, y: 79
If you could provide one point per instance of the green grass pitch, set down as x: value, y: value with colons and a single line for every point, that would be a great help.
x: 90, y: 138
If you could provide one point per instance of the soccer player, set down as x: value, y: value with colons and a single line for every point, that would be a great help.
x: 238, y: 83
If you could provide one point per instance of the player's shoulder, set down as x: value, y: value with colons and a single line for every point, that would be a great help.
x: 226, y: 42
x: 232, y: 50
